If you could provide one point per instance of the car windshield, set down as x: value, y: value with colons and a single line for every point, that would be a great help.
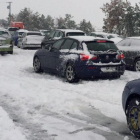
x: 46, y: 32
x: 75, y: 34
x: 20, y: 33
x: 13, y: 29
x: 4, y: 34
x: 103, y: 46
x: 34, y: 34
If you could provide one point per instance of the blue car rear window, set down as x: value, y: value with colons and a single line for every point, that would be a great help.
x: 94, y: 46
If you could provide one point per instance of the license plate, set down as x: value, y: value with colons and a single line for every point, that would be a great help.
x: 108, y: 69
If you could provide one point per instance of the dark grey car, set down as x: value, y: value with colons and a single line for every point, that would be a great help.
x: 131, y: 106
x: 131, y: 50
x: 58, y: 34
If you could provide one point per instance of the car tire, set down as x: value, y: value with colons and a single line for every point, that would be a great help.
x: 37, y: 65
x: 70, y: 74
x: 42, y: 46
x: 137, y: 65
x: 11, y: 52
x: 133, y: 116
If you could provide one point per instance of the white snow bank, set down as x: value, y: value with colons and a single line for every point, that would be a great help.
x: 8, y: 130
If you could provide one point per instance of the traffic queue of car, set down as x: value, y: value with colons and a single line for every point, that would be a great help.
x: 73, y: 55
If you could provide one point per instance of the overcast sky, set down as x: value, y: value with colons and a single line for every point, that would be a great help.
x: 79, y: 9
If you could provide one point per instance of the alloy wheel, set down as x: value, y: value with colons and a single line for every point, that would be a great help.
x: 135, y: 118
x: 70, y: 73
x: 37, y: 65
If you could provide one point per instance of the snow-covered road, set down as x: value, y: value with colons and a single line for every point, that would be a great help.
x: 45, y: 107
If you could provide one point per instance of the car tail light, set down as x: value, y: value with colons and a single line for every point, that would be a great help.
x: 84, y: 57
x: 91, y: 67
x: 94, y: 58
x: 120, y: 56
x: 101, y: 41
x: 87, y: 57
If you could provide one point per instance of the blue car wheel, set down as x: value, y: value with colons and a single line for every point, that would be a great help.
x: 70, y: 74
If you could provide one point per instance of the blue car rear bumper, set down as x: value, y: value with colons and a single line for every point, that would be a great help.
x: 88, y: 71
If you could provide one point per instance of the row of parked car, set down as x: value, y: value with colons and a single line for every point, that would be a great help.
x: 76, y: 57
x: 24, y: 39
x: 73, y: 55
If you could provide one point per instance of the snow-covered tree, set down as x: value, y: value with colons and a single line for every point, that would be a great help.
x: 115, y: 14
x: 86, y: 26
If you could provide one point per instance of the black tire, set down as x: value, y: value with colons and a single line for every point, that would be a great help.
x: 42, y: 46
x: 133, y: 116
x: 37, y: 65
x: 137, y: 65
x: 11, y: 52
x: 70, y: 74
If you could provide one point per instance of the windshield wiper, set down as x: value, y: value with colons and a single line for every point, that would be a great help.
x: 111, y: 50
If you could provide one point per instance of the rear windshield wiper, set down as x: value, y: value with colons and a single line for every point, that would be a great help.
x: 111, y: 50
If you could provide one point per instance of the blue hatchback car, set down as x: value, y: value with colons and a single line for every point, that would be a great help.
x: 80, y: 57
x: 131, y: 106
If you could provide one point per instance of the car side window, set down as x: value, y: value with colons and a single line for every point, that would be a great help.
x: 135, y: 42
x: 56, y: 34
x: 61, y: 34
x: 74, y: 45
x: 67, y: 44
x: 100, y: 36
x: 126, y: 42
x: 51, y: 34
x: 57, y: 44
x: 92, y: 34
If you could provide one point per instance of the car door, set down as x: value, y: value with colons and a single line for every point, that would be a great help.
x: 63, y: 55
x: 50, y: 57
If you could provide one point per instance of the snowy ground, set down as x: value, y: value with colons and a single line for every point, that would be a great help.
x: 45, y: 107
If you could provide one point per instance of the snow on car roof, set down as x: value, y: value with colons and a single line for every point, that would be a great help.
x: 134, y: 37
x: 22, y: 30
x: 70, y: 30
x: 33, y: 32
x: 43, y: 30
x: 102, y: 33
x: 87, y: 38
x: 2, y: 29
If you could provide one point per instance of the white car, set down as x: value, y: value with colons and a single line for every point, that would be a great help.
x: 114, y: 37
x: 30, y: 39
x: 44, y: 32
x: 99, y: 34
x: 17, y: 35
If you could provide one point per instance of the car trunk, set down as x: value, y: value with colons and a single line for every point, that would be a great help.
x: 34, y: 39
x: 106, y: 57
x: 105, y: 51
